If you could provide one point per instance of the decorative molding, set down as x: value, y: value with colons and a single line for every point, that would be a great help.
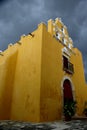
x: 10, y: 45
x: 1, y: 53
x: 66, y: 51
x: 19, y: 43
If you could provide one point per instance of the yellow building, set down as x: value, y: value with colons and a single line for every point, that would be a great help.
x: 38, y: 72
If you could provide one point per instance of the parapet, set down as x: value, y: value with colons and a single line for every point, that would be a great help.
x: 58, y: 30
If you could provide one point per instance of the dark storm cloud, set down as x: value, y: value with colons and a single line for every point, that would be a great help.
x: 61, y: 7
x: 22, y: 16
x: 3, y: 1
x: 16, y: 18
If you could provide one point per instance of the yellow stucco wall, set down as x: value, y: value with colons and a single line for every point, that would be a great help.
x: 7, y: 70
x: 79, y: 81
x: 26, y: 92
x: 51, y: 75
x: 32, y: 75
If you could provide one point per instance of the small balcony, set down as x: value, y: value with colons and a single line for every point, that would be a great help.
x: 68, y: 66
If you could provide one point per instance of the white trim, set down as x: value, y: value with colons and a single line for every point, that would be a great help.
x: 64, y: 32
x: 65, y: 41
x: 65, y: 78
x: 66, y: 51
x: 70, y: 46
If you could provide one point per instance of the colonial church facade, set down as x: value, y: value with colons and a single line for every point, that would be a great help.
x: 39, y: 72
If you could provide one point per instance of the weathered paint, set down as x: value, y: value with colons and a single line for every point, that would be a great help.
x: 32, y: 76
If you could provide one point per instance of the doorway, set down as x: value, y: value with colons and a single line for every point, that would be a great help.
x: 67, y: 91
x: 68, y: 100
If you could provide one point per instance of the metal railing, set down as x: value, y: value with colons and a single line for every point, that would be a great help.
x: 69, y: 69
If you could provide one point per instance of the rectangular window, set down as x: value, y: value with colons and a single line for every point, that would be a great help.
x: 67, y: 66
x: 65, y: 63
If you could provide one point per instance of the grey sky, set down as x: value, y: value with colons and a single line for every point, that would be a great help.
x: 19, y: 17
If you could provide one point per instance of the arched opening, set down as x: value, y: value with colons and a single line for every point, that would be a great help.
x: 68, y: 99
x: 67, y: 91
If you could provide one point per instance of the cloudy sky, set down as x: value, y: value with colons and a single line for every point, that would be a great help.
x: 19, y: 17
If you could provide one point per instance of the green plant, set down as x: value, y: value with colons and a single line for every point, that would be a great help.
x: 70, y: 108
x: 85, y: 109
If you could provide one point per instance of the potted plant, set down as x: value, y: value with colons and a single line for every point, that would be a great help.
x: 69, y: 109
x: 85, y: 109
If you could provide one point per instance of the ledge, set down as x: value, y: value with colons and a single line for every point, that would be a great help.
x: 79, y: 118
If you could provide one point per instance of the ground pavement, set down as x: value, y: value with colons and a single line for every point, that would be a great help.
x: 58, y: 125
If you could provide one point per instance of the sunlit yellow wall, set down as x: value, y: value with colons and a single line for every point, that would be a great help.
x: 51, y: 76
x: 7, y: 70
x: 32, y: 76
x: 26, y: 92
